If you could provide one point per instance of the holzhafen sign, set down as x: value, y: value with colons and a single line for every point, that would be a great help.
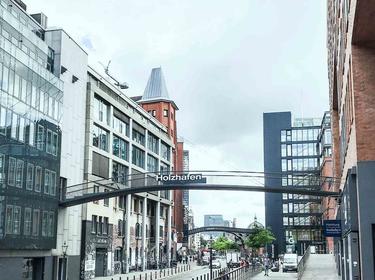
x: 183, y: 178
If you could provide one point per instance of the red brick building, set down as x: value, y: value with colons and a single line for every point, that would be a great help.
x: 351, y: 73
x: 156, y: 101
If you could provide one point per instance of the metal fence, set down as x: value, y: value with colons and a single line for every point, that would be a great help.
x: 241, y: 273
x: 302, y: 263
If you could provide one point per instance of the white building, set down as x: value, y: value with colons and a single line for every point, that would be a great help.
x: 123, y: 142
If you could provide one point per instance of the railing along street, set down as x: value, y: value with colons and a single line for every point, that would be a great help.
x: 302, y: 263
x: 241, y: 273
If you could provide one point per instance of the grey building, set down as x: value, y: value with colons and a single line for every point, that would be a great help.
x: 30, y: 145
x: 291, y: 160
x: 214, y: 220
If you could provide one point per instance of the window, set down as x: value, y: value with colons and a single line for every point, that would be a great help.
x: 153, y: 113
x: 105, y: 226
x: 100, y: 138
x: 40, y: 138
x: 100, y: 224
x: 106, y: 200
x: 101, y: 110
x: 17, y: 220
x: 15, y: 126
x: 27, y: 222
x: 21, y: 132
x: 9, y: 219
x: 30, y: 177
x: 100, y: 165
x: 45, y: 223
x: 153, y: 143
x: 120, y: 148
x: 36, y: 221
x: 51, y: 224
x: 3, y: 119
x: 137, y: 230
x: 121, y: 202
x: 96, y: 190
x: 52, y: 182
x: 19, y: 173
x: 2, y: 173
x: 120, y: 228
x: 138, y: 157
x: 152, y: 164
x: 164, y: 168
x: 165, y: 151
x: 31, y: 133
x: 138, y: 134
x: 94, y: 224
x: 161, y: 232
x: 165, y: 113
x: 38, y: 178
x: 120, y: 123
x: 49, y: 142
x: 47, y: 181
x: 120, y: 173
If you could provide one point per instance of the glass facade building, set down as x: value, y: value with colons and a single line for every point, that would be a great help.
x: 291, y: 160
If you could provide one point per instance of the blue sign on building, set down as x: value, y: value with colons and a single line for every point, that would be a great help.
x: 332, y: 228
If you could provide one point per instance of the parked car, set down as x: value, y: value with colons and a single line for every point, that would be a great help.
x: 216, y: 264
x: 290, y: 262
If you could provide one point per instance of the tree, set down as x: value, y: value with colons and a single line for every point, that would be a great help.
x: 203, y: 242
x: 223, y: 243
x: 260, y: 238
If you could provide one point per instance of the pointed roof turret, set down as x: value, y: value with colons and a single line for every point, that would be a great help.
x: 156, y: 87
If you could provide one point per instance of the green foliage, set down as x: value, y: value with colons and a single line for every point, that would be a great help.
x: 223, y: 243
x: 203, y: 242
x: 260, y: 238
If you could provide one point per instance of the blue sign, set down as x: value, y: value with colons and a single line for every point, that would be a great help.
x: 332, y: 228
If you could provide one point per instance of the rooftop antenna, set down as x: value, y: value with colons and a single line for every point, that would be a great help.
x: 123, y: 85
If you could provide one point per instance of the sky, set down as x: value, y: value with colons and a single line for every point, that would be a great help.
x: 225, y: 63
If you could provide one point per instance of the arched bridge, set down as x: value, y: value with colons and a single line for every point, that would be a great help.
x: 232, y: 230
x: 310, y: 184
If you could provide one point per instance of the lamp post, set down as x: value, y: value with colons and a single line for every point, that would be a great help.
x: 211, y: 276
x: 64, y: 255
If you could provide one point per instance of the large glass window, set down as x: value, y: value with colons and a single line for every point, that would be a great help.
x: 94, y: 224
x: 17, y: 220
x: 49, y: 142
x: 2, y: 172
x: 100, y: 138
x: 164, y: 168
x: 101, y: 110
x: 47, y: 181
x: 51, y: 224
x: 15, y: 126
x: 31, y: 133
x: 120, y: 173
x: 9, y: 219
x: 27, y: 222
x: 152, y: 164
x: 3, y: 116
x: 121, y: 126
x: 12, y: 171
x: 40, y: 138
x: 45, y: 223
x: 36, y: 222
x: 153, y: 143
x: 55, y: 143
x: 165, y: 151
x: 38, y: 178
x: 138, y: 157
x: 138, y: 136
x: 120, y: 148
x: 30, y: 177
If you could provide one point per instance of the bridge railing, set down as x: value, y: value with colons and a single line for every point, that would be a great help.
x: 302, y: 263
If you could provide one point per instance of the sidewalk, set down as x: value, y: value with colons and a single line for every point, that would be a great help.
x: 152, y: 274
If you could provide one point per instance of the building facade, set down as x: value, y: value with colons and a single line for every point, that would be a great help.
x: 31, y: 100
x: 123, y: 143
x: 326, y: 174
x: 291, y: 160
x: 351, y: 71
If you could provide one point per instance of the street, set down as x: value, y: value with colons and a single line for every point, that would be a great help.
x: 277, y: 275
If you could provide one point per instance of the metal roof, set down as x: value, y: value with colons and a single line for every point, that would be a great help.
x: 156, y: 87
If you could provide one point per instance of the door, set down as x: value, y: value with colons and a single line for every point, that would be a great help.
x: 38, y: 268
x: 101, y: 262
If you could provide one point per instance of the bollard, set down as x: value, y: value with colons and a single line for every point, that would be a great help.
x: 134, y: 277
x: 204, y: 277
x: 201, y: 277
x: 146, y: 276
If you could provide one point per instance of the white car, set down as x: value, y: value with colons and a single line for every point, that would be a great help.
x: 216, y: 264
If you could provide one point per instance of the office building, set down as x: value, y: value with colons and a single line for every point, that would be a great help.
x: 351, y: 70
x: 291, y: 160
x: 214, y: 220
x: 31, y: 101
x: 123, y: 142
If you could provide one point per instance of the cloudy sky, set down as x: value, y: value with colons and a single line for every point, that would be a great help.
x: 225, y: 63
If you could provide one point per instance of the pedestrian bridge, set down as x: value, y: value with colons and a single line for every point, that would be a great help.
x: 232, y: 230
x: 306, y: 184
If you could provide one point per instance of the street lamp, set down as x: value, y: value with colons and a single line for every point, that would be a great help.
x: 64, y: 260
x: 211, y: 240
